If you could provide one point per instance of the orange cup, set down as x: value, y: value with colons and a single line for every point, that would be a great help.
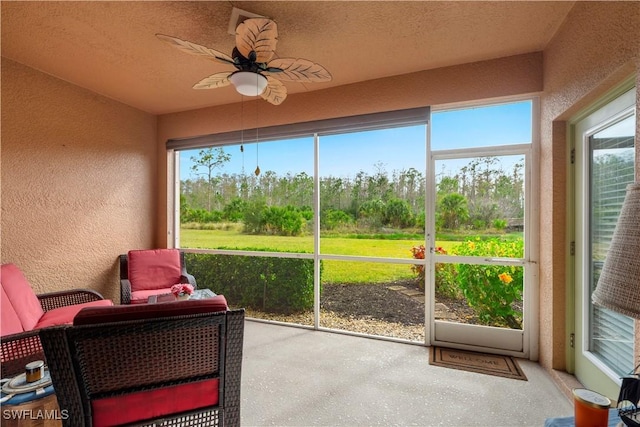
x: 591, y: 409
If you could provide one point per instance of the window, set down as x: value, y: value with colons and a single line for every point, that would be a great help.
x: 310, y: 213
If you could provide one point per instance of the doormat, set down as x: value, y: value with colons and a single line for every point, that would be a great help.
x: 490, y: 364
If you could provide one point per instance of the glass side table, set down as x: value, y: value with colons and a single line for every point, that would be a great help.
x: 197, y: 294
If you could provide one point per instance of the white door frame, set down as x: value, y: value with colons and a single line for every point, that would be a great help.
x: 587, y: 367
x: 476, y: 337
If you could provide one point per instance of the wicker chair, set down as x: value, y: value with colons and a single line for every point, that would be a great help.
x: 154, y: 272
x: 20, y: 348
x: 169, y: 364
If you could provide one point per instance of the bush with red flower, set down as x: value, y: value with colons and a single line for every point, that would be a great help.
x: 443, y: 271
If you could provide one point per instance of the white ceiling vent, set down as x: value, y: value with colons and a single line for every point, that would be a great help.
x: 237, y: 17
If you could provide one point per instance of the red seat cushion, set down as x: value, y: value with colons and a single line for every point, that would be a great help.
x: 118, y: 313
x: 18, y: 291
x: 66, y: 314
x: 150, y: 404
x: 154, y: 268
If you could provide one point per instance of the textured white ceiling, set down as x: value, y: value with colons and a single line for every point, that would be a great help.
x: 111, y: 48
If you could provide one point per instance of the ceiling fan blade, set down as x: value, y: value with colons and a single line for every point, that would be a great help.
x: 257, y: 35
x: 214, y: 81
x: 296, y: 70
x: 196, y: 49
x: 275, y: 92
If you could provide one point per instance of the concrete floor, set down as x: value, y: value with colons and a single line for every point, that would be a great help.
x: 299, y: 377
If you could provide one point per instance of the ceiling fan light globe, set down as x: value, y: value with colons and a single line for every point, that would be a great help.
x: 248, y: 83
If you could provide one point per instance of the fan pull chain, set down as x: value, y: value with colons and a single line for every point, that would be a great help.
x: 242, y: 130
x: 257, y: 171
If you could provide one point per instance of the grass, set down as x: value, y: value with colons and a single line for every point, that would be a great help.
x: 333, y: 271
x: 232, y: 239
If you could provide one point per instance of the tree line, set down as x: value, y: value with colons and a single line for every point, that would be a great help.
x: 479, y: 195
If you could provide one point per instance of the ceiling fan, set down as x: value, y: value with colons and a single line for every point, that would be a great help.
x: 257, y: 72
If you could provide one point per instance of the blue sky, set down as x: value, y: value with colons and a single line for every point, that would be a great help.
x: 392, y: 149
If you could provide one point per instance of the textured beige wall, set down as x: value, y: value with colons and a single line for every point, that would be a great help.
x: 78, y: 181
x: 597, y: 47
x: 509, y: 76
x: 84, y: 177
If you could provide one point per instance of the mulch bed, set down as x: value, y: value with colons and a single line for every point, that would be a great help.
x: 378, y: 302
x: 375, y: 301
x: 376, y: 309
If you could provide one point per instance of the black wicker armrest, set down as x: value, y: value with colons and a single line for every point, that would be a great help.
x: 52, y: 300
x: 125, y: 291
x: 188, y: 278
x: 19, y: 349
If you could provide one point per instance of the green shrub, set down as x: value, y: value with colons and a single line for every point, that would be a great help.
x: 398, y: 214
x: 479, y: 224
x: 333, y: 218
x: 199, y: 215
x: 446, y: 278
x: 253, y: 221
x: 306, y: 212
x: 234, y: 211
x: 499, y: 224
x: 371, y: 214
x: 452, y: 211
x: 273, y: 285
x: 420, y: 220
x: 283, y: 221
x: 492, y: 290
x: 287, y: 221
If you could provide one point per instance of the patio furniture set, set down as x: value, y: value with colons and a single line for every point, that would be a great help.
x: 144, y: 362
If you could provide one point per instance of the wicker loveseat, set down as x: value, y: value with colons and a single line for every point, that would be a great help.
x: 24, y: 313
x: 175, y: 363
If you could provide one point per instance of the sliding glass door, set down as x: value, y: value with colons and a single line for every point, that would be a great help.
x: 604, y: 164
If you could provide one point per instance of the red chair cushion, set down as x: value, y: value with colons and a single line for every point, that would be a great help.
x: 9, y: 320
x: 150, y: 404
x: 154, y: 268
x: 119, y: 313
x: 141, y: 297
x: 22, y: 298
x: 66, y: 314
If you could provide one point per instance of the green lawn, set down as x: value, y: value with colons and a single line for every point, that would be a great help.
x: 333, y: 271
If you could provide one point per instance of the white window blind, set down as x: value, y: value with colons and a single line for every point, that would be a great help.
x: 612, y: 168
